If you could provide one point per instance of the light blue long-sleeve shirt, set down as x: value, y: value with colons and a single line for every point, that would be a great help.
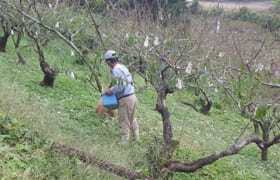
x: 123, y: 81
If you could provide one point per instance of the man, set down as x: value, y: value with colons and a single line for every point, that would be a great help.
x: 124, y: 89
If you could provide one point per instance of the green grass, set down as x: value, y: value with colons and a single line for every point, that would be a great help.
x: 66, y: 113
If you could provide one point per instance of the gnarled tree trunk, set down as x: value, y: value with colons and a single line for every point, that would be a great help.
x: 170, y: 142
x: 49, y: 73
x: 265, y: 149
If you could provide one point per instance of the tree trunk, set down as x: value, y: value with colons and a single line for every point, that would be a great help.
x: 49, y: 73
x: 265, y: 149
x: 3, y: 41
x: 20, y: 57
x: 205, y: 107
x: 170, y: 143
x: 264, y: 154
x: 256, y: 126
x: 16, y: 44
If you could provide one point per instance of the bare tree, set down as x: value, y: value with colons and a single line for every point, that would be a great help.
x: 252, y: 83
x: 168, y: 61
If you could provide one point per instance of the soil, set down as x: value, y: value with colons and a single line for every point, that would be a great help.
x: 236, y: 5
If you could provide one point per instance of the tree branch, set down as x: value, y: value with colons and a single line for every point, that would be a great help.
x: 190, y: 104
x: 96, y: 26
x: 178, y: 166
x: 87, y: 158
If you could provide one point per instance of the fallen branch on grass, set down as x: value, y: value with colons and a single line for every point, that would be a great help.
x: 87, y: 158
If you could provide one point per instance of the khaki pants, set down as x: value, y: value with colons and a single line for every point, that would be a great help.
x: 127, y: 122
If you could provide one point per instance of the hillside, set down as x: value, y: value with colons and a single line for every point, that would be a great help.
x: 44, y: 131
x: 66, y: 114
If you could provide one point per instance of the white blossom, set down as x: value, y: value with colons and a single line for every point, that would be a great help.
x: 161, y: 16
x: 126, y: 35
x: 156, y: 41
x: 72, y: 75
x: 221, y: 54
x: 50, y: 5
x: 259, y: 67
x: 189, y: 68
x: 218, y: 25
x: 12, y: 32
x: 146, y: 43
x: 72, y: 53
x: 57, y: 24
x: 216, y: 89
x: 179, y: 84
x: 210, y: 84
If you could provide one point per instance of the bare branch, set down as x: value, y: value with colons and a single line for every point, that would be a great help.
x: 190, y: 104
x: 233, y: 98
x: 242, y: 132
x: 271, y: 85
x: 259, y: 50
x: 96, y: 26
x: 237, y: 48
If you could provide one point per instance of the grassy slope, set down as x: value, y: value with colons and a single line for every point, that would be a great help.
x: 66, y: 114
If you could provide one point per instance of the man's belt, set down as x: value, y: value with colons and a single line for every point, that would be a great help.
x: 126, y: 95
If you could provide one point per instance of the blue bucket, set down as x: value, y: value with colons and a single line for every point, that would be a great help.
x: 110, y: 101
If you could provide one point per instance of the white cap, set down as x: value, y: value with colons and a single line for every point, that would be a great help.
x: 110, y: 54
